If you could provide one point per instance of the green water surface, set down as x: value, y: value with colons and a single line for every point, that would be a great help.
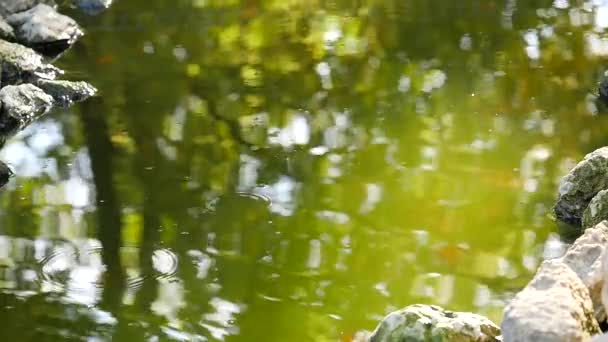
x: 293, y: 170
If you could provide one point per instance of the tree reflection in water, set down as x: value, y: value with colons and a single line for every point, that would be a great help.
x: 293, y: 170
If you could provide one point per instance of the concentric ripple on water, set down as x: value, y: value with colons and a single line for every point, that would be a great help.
x: 78, y: 268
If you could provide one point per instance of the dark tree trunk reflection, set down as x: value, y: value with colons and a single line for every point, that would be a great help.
x: 101, y: 151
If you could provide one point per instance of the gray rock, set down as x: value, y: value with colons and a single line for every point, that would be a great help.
x: 21, y: 64
x: 93, y: 7
x: 44, y: 29
x: 8, y: 7
x: 584, y: 257
x: 65, y: 93
x: 600, y: 338
x: 21, y: 105
x: 6, y: 31
x: 604, y: 271
x: 555, y: 306
x: 432, y: 323
x: 579, y: 186
x: 597, y: 210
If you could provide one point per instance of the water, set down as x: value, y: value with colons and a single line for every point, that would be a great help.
x: 294, y: 170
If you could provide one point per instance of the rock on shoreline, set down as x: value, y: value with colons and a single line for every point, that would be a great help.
x: 555, y: 306
x: 31, y: 31
x: 420, y: 323
x: 580, y: 185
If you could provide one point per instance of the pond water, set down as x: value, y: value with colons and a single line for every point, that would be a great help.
x: 294, y: 170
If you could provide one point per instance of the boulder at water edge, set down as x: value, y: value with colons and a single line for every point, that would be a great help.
x: 21, y: 105
x: 580, y: 185
x: 44, y: 29
x: 8, y: 7
x: 431, y: 323
x: 597, y: 210
x: 554, y: 307
x: 584, y: 257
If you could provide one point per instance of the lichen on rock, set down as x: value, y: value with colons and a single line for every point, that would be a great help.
x: 21, y: 64
x: 597, y: 210
x: 432, y: 323
x: 580, y: 185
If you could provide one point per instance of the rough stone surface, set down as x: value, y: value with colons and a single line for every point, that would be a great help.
x: 28, y: 88
x: 44, y: 29
x: 8, y: 7
x: 584, y: 257
x: 555, y: 306
x: 21, y: 105
x: 579, y: 186
x: 65, y: 93
x: 597, y: 210
x: 21, y: 64
x: 432, y: 323
x: 6, y: 31
x: 605, y: 280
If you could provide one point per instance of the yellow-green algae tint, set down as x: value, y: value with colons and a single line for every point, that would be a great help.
x: 294, y: 170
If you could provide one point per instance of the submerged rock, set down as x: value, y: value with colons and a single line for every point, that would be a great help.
x: 554, y: 307
x: 21, y: 105
x: 597, y: 210
x: 579, y: 186
x: 432, y: 323
x: 93, y: 7
x: 8, y: 7
x: 44, y: 29
x: 22, y: 65
x: 65, y: 93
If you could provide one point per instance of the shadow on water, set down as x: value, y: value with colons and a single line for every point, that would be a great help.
x: 101, y: 152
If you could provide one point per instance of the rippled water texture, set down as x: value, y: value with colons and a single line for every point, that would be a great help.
x: 293, y: 170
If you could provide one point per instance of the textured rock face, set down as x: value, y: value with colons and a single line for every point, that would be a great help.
x: 597, y: 210
x: 28, y: 88
x: 8, y: 7
x: 21, y: 105
x: 6, y: 31
x: 44, y: 29
x: 23, y: 65
x: 584, y: 257
x: 555, y: 306
x: 65, y: 93
x: 432, y: 323
x: 579, y: 186
x: 605, y: 281
x: 28, y: 85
